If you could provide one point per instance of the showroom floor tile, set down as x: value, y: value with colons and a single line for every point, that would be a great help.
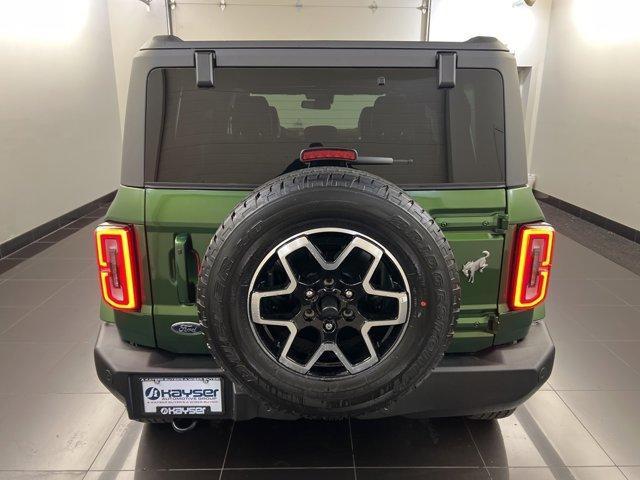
x: 57, y: 421
x: 558, y: 473
x: 134, y: 446
x: 402, y: 442
x: 536, y: 436
x: 304, y: 443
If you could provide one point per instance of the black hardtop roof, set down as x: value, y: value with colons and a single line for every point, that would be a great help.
x: 169, y: 42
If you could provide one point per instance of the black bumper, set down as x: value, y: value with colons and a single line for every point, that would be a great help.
x: 500, y: 378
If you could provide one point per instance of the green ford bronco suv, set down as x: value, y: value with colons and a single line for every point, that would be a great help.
x: 324, y: 230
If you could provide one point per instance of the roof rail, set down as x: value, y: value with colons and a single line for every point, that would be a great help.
x: 161, y: 42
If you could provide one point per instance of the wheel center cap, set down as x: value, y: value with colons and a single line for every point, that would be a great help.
x: 329, y: 307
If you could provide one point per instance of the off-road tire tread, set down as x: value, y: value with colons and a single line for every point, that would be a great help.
x: 492, y: 415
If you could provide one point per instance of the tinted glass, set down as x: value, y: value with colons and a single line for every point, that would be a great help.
x: 254, y: 123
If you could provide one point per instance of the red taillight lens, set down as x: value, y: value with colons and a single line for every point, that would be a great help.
x: 532, y: 266
x: 312, y: 154
x: 115, y: 249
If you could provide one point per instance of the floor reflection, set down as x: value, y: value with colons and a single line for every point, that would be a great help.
x: 542, y: 440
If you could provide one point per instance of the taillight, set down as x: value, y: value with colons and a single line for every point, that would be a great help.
x: 314, y: 154
x: 532, y: 266
x: 115, y: 248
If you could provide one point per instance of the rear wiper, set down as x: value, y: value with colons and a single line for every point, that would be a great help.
x: 382, y: 161
x: 348, y: 155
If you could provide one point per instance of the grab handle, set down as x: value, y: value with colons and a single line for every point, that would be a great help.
x: 182, y: 244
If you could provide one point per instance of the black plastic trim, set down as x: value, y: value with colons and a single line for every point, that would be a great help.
x: 498, y: 378
x: 163, y: 42
x: 205, y: 65
x: 447, y: 64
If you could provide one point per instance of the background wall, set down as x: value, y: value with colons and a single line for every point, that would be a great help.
x: 132, y: 24
x: 524, y: 30
x: 67, y: 64
x: 66, y: 130
x: 313, y: 20
x: 59, y: 128
x: 587, y: 142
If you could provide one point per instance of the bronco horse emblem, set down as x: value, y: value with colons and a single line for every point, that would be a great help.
x: 470, y: 268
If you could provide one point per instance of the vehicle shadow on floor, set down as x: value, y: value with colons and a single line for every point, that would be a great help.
x: 448, y: 448
x: 283, y: 449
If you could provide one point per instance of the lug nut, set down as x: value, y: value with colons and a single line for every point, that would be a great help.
x: 328, y: 282
x: 347, y: 314
x: 348, y: 293
x: 308, y: 314
x: 309, y: 293
x: 329, y: 326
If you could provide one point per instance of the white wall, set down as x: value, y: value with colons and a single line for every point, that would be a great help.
x: 132, y: 24
x: 587, y: 143
x: 524, y: 29
x: 59, y: 128
x: 281, y: 20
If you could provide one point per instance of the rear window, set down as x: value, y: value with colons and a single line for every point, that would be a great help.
x: 253, y: 124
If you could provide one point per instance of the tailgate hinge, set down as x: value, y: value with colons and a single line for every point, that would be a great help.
x: 502, y: 223
x: 447, y: 63
x: 493, y: 323
x: 205, y: 64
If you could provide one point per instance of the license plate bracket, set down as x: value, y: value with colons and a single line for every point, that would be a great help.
x: 180, y: 396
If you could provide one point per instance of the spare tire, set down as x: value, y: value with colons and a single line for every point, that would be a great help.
x: 328, y: 293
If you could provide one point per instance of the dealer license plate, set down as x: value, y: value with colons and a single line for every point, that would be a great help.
x: 182, y: 396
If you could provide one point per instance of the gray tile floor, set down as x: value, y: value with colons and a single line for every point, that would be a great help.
x: 58, y: 422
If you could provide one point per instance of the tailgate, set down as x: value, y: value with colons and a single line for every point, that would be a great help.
x: 180, y: 224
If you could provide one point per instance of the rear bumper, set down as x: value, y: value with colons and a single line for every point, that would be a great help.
x: 500, y: 378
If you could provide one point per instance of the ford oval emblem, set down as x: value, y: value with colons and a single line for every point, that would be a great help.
x: 187, y: 328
